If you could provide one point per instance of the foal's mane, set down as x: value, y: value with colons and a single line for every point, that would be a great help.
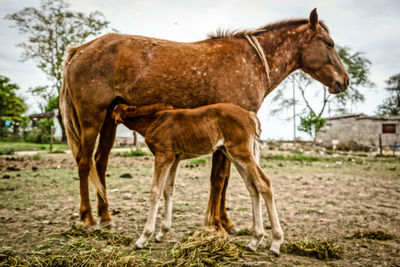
x: 280, y: 25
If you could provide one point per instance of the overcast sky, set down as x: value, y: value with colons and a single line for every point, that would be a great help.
x: 371, y: 27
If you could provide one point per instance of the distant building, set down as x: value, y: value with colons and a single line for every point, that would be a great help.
x: 363, y: 129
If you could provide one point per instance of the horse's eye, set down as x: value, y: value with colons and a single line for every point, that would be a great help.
x: 330, y: 44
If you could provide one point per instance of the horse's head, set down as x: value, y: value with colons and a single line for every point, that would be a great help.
x: 320, y: 59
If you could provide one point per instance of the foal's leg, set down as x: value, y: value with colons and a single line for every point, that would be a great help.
x: 107, y: 136
x: 168, y: 196
x: 161, y: 169
x: 216, y: 213
x: 258, y: 229
x: 263, y: 185
x: 84, y: 159
x: 265, y: 188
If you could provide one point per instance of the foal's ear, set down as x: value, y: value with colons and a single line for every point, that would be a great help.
x: 314, y: 18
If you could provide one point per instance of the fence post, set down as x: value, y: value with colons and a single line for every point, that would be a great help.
x: 135, y: 140
x: 51, y: 137
x: 380, y: 144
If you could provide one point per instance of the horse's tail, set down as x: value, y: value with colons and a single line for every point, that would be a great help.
x: 256, y: 144
x: 72, y: 126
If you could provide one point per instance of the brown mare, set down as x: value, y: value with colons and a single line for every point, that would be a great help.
x: 176, y: 134
x: 233, y: 67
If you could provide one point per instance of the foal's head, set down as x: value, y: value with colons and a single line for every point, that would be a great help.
x: 320, y: 59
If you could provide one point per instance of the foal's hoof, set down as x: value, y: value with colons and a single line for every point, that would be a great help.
x: 251, y: 248
x: 232, y: 231
x: 90, y: 228
x: 137, y: 247
x: 159, y: 238
x: 273, y: 253
x: 107, y: 225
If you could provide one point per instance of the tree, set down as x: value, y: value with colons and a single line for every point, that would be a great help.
x: 50, y: 29
x: 391, y: 104
x: 11, y: 106
x: 311, y: 124
x: 312, y: 110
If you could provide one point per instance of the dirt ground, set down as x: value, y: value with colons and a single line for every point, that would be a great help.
x: 329, y: 198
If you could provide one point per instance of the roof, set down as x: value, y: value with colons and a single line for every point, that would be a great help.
x: 362, y: 116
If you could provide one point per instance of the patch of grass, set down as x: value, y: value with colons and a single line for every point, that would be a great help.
x: 134, y: 153
x: 361, y: 154
x: 57, y: 151
x: 291, y: 158
x: 37, y: 156
x: 372, y: 234
x: 24, y: 146
x: 198, y: 161
x: 113, y: 238
x: 297, y: 152
x: 318, y: 249
x: 204, y: 247
x: 8, y: 187
x: 244, y: 232
x: 7, y: 151
x: 387, y: 156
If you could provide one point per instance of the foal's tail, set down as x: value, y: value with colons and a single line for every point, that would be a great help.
x: 256, y: 144
x: 72, y: 126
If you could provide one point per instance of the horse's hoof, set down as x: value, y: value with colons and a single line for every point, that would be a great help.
x: 107, y: 225
x: 273, y: 253
x: 232, y: 231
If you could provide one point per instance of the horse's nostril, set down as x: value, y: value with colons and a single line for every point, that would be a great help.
x: 346, y: 81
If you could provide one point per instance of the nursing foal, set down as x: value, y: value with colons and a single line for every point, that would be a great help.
x: 176, y: 134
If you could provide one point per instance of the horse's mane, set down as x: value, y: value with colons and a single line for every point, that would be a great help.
x: 280, y: 25
x: 150, y: 109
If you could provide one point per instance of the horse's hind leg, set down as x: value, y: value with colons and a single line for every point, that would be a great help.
x: 84, y: 159
x: 258, y: 178
x: 258, y: 229
x: 216, y: 213
x: 106, y: 141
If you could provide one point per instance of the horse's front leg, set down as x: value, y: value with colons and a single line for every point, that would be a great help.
x: 106, y: 141
x: 161, y: 170
x: 216, y: 214
x: 168, y: 197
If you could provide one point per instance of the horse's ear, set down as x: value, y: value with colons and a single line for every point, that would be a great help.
x: 314, y: 18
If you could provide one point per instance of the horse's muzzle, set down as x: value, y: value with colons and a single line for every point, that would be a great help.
x: 339, y: 87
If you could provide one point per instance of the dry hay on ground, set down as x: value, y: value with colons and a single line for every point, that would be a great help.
x: 205, y: 247
x: 319, y: 249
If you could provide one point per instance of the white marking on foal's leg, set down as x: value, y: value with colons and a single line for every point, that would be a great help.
x: 277, y: 233
x: 168, y: 197
x: 160, y: 173
x: 258, y: 229
x: 268, y: 195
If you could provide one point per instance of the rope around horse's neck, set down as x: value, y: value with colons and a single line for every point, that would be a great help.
x: 260, y: 51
